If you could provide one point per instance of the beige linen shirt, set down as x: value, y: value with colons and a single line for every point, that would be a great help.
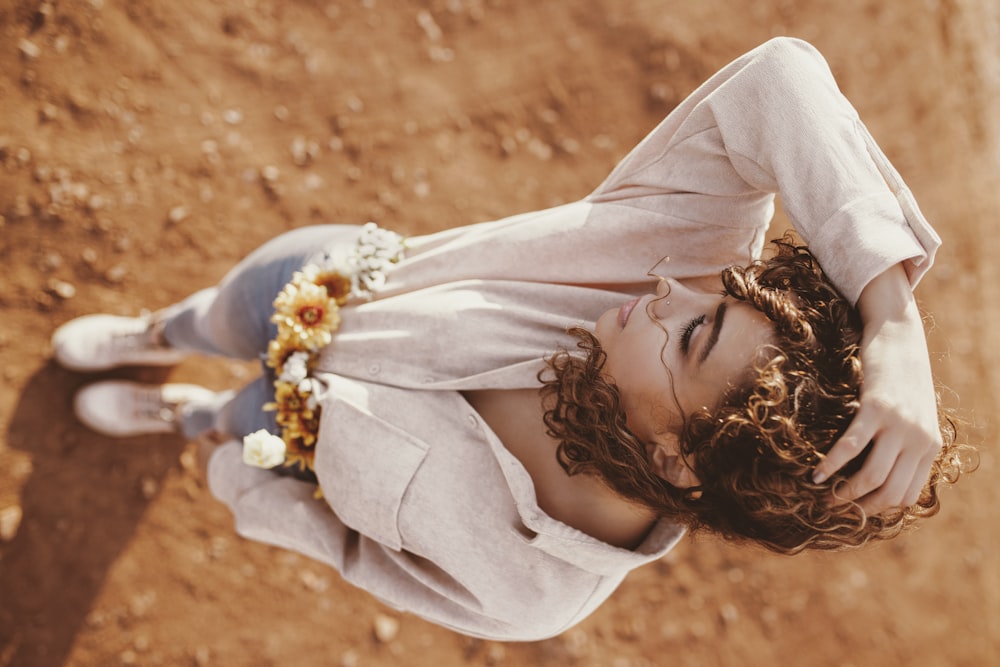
x: 424, y: 507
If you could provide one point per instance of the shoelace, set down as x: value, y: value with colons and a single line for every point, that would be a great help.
x: 133, y: 342
x: 149, y: 404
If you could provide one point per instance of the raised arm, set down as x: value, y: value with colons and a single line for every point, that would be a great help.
x: 774, y: 122
x: 898, y: 407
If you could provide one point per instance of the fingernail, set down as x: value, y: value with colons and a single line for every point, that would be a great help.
x: 819, y: 477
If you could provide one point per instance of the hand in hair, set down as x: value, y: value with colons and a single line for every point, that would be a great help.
x: 898, y: 407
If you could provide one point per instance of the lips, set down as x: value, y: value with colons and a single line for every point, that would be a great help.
x: 626, y: 311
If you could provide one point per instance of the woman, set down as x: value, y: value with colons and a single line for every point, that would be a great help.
x: 450, y: 419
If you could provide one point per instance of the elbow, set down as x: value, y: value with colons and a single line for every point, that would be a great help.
x: 791, y: 59
x: 789, y: 49
x: 793, y: 71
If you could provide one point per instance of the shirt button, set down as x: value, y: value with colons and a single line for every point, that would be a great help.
x: 374, y: 369
x: 473, y: 420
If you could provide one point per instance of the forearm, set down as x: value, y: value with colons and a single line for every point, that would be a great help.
x: 888, y: 300
x: 898, y: 403
x: 892, y: 320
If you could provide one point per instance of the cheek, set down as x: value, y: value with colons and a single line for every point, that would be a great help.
x: 702, y: 395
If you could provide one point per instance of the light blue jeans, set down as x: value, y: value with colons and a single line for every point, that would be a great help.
x: 233, y: 319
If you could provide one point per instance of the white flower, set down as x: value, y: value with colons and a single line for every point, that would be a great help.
x: 373, y: 281
x: 263, y: 450
x: 295, y: 370
x: 374, y: 254
x: 309, y: 273
x: 334, y: 263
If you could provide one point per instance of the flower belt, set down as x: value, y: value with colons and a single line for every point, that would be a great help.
x: 307, y: 312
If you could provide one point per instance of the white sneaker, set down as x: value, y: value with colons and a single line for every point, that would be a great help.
x: 100, y: 342
x: 122, y: 409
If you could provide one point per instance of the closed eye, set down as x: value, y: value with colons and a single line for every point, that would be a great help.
x: 685, y: 333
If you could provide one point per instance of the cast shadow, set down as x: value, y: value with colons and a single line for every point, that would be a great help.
x: 81, y: 505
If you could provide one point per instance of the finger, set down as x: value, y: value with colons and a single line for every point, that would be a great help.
x: 892, y: 493
x: 875, y: 471
x: 919, y: 480
x: 917, y: 485
x: 851, y: 444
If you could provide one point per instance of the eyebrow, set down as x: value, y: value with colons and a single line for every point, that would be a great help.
x: 713, y: 336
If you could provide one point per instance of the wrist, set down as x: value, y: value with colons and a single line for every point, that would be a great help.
x: 888, y: 297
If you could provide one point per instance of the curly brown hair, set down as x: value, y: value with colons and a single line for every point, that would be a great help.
x: 755, y: 453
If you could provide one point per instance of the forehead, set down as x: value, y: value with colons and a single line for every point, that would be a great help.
x: 743, y: 335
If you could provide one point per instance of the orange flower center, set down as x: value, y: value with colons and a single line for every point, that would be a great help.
x: 310, y: 315
x: 337, y: 286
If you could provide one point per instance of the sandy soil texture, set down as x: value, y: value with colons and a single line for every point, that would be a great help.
x: 146, y: 146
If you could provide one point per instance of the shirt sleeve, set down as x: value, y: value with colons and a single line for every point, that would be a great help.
x: 774, y: 121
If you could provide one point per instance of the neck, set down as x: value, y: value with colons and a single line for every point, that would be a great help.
x: 581, y: 501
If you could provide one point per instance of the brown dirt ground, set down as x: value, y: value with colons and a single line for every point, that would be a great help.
x: 145, y: 147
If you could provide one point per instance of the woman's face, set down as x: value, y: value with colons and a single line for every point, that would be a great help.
x: 706, y: 341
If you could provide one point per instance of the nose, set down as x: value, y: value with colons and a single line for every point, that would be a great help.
x: 662, y: 287
x: 675, y: 296
x: 665, y: 290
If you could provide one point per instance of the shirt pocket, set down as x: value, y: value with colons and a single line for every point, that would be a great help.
x: 365, y: 467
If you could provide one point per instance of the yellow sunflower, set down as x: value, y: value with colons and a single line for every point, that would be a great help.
x: 299, y: 423
x: 306, y: 315
x: 287, y: 400
x: 279, y: 349
x: 298, y: 455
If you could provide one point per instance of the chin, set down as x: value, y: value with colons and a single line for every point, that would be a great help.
x: 606, y: 325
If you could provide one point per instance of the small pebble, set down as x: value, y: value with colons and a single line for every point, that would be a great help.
x: 729, y: 613
x: 202, y: 656
x: 426, y: 21
x: 116, y: 273
x: 48, y: 112
x: 22, y: 207
x: 62, y: 289
x: 495, y: 654
x: 304, y: 150
x: 140, y: 603
x: 43, y: 12
x: 29, y: 49
x: 178, y: 214
x: 539, y: 149
x: 314, y: 582
x: 149, y: 487
x: 10, y: 522
x: 386, y: 628
x: 232, y: 116
x: 52, y: 261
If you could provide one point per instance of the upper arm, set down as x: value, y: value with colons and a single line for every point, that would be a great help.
x: 775, y: 122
